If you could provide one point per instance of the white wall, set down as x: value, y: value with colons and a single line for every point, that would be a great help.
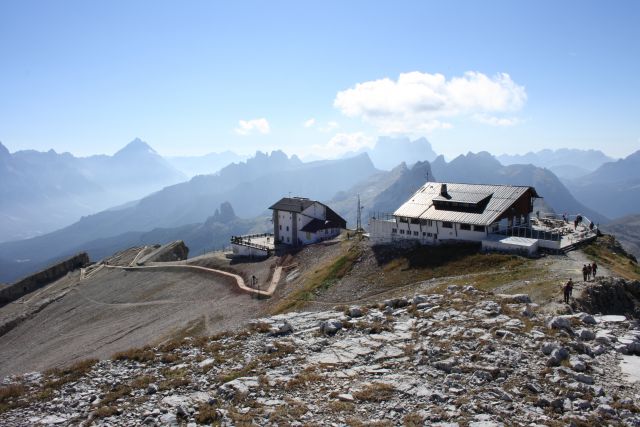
x: 242, y: 250
x: 285, y: 220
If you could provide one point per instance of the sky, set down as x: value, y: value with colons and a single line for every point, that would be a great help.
x: 319, y: 78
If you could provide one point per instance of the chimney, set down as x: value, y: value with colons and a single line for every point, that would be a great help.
x: 443, y: 189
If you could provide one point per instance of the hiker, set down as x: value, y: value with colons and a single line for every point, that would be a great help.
x: 594, y: 269
x: 584, y: 272
x: 588, y: 272
x: 564, y: 217
x: 575, y: 223
x: 591, y: 226
x: 568, y: 289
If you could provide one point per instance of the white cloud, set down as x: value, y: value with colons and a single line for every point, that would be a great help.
x: 343, y: 143
x: 247, y: 127
x: 329, y: 127
x: 496, y: 121
x: 421, y: 102
x: 309, y: 123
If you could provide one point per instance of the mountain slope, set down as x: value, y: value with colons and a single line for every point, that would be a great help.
x: 627, y: 231
x: 614, y: 187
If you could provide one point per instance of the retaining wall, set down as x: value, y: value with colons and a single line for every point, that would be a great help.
x: 36, y: 281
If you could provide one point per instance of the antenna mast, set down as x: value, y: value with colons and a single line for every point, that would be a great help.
x: 359, y: 220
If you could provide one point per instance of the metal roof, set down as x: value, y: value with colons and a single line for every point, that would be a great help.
x: 420, y: 205
x: 292, y: 204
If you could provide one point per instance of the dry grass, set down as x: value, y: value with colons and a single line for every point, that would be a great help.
x: 143, y: 381
x: 10, y: 397
x: 291, y: 411
x: 118, y: 392
x: 105, y: 411
x: 337, y: 406
x: 58, y: 377
x: 606, y: 251
x: 413, y: 419
x: 142, y: 355
x: 376, y: 392
x: 207, y: 414
x: 323, y: 277
x: 305, y: 377
x: 427, y: 262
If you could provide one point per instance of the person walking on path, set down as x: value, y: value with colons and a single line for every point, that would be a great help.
x: 584, y: 272
x: 568, y: 290
x: 594, y: 269
x: 589, y: 271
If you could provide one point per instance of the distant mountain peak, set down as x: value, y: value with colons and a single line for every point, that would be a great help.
x: 4, y: 152
x: 137, y: 146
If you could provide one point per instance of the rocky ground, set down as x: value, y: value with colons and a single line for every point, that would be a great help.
x: 462, y: 357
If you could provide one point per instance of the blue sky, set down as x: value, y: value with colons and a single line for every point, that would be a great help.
x: 87, y: 77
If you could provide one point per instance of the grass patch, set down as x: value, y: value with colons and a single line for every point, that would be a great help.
x: 419, y: 263
x: 323, y: 277
x: 141, y: 355
x: 61, y: 376
x: 305, y: 377
x: 207, y: 414
x: 608, y: 252
x: 143, y: 381
x: 10, y: 397
x: 376, y: 392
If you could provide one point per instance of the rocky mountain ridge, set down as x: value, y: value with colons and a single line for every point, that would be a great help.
x: 463, y: 357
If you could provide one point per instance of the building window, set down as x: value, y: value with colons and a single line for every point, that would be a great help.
x: 424, y: 233
x: 308, y: 236
x: 465, y: 227
x: 401, y: 231
x: 415, y: 221
x: 429, y: 235
x: 394, y: 230
x: 415, y: 233
x: 287, y: 240
x: 287, y: 228
x: 478, y: 228
x: 447, y: 224
x: 280, y: 226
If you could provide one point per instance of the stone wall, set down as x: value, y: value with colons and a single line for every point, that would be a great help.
x: 36, y: 281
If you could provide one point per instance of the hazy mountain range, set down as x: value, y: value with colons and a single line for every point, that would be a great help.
x: 564, y: 162
x: 250, y: 187
x: 389, y: 152
x: 206, y: 210
x: 206, y: 164
x: 43, y: 191
x: 613, y: 188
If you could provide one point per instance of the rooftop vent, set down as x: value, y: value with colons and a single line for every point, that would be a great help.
x: 443, y: 190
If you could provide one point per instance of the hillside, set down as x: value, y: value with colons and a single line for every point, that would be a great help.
x: 444, y: 354
x: 627, y: 231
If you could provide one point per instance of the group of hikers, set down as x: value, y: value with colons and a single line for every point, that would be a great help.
x: 588, y: 271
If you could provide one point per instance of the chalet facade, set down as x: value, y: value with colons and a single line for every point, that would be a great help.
x: 298, y: 221
x: 440, y: 212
